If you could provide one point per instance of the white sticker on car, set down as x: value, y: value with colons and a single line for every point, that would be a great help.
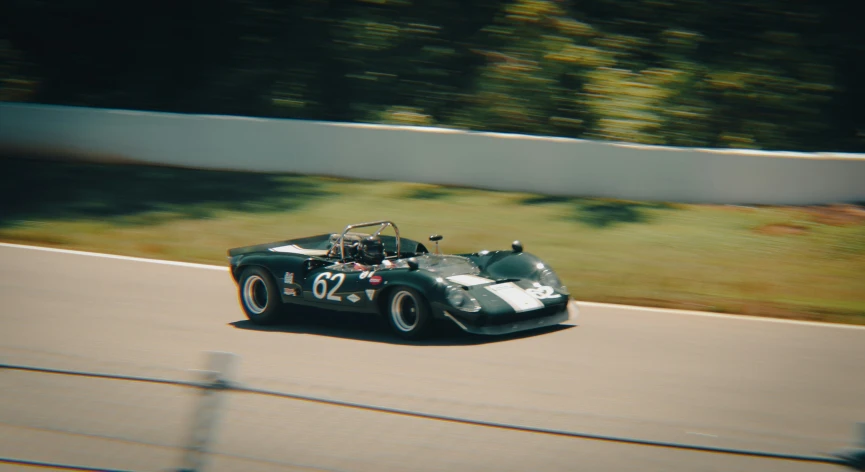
x: 516, y: 297
x: 289, y: 278
x: 469, y: 280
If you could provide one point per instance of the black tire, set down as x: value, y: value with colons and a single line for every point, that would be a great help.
x: 259, y: 296
x: 408, y: 313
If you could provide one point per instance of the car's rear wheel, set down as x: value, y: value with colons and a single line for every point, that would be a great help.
x: 259, y: 296
x: 408, y: 313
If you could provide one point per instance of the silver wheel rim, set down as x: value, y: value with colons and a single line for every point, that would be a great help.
x: 404, y: 311
x: 255, y: 294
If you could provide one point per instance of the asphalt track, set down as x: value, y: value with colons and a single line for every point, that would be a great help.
x: 717, y: 381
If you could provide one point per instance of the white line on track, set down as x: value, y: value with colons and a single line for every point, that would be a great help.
x: 114, y: 256
x: 581, y: 303
x: 727, y: 316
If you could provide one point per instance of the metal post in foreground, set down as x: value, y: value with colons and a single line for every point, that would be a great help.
x: 855, y: 457
x: 220, y: 375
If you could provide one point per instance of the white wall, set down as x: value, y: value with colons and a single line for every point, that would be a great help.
x: 487, y: 160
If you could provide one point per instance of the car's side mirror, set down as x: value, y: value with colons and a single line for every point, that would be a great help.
x: 517, y: 246
x: 412, y: 264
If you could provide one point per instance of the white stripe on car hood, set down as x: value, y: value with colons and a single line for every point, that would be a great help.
x: 516, y: 297
x: 295, y: 249
x: 469, y: 280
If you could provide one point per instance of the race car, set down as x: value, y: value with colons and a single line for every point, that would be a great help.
x: 486, y: 292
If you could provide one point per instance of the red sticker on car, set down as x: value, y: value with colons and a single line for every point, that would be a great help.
x: 375, y: 280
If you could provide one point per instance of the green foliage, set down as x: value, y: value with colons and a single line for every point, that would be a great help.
x: 765, y: 74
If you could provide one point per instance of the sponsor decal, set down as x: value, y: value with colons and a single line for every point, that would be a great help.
x: 516, y: 297
x: 291, y: 292
x: 375, y: 280
x: 353, y: 298
x: 370, y: 294
x: 289, y: 278
x: 469, y: 280
x: 366, y: 274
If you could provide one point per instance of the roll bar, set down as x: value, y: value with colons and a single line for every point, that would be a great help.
x: 383, y: 224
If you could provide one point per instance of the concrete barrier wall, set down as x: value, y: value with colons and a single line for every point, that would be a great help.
x: 556, y: 166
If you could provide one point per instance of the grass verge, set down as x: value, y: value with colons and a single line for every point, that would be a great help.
x: 791, y: 262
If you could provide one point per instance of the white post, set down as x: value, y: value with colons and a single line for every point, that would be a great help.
x: 220, y: 373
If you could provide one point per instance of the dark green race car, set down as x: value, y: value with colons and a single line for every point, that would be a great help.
x: 488, y: 292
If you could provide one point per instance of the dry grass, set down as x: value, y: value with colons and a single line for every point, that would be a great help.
x: 804, y: 263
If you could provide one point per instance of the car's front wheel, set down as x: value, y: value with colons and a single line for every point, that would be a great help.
x: 408, y: 313
x: 259, y: 296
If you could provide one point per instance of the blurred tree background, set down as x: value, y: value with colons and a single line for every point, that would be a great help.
x: 763, y: 74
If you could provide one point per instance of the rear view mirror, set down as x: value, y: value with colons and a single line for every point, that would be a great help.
x: 436, y: 238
